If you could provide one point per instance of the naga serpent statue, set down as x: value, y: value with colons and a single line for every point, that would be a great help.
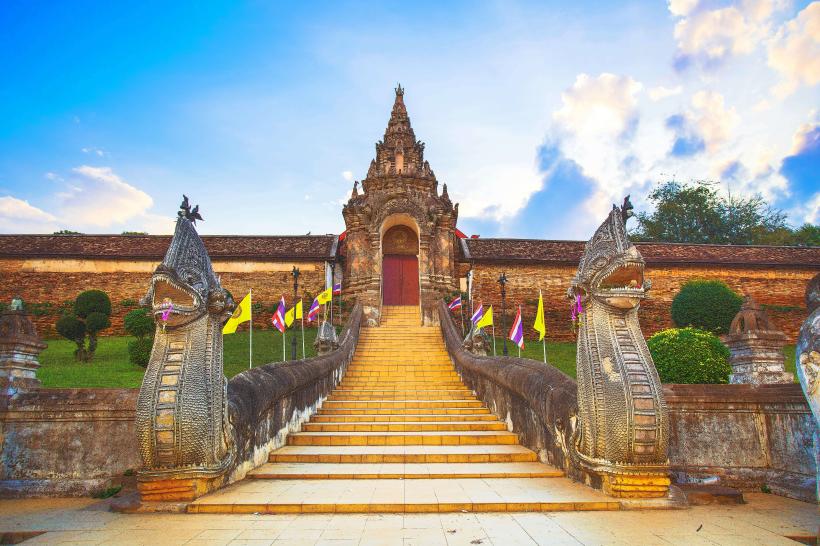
x: 182, y: 421
x: 623, y: 426
x: 808, y: 362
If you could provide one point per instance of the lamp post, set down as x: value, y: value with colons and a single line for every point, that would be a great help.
x: 295, y: 274
x: 502, y: 280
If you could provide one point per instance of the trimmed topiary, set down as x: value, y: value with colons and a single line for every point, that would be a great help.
x: 91, y: 314
x: 92, y: 301
x: 689, y: 355
x: 706, y: 305
x: 138, y: 323
x: 73, y: 329
x: 139, y: 351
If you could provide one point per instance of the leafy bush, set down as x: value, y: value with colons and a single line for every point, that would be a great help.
x: 72, y: 328
x: 706, y: 305
x: 91, y: 314
x: 138, y: 323
x: 92, y: 301
x: 139, y: 350
x: 689, y: 355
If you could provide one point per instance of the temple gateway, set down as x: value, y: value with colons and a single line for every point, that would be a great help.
x: 401, y: 404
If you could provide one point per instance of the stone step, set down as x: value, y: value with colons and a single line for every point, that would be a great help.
x: 403, y: 496
x: 401, y: 404
x: 403, y: 426
x: 435, y: 438
x: 414, y: 395
x: 353, y: 471
x: 403, y: 454
x: 401, y: 418
x: 402, y: 411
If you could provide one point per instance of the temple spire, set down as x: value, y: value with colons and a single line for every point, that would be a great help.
x: 399, y: 123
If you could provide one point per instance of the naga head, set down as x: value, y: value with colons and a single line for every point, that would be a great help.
x: 611, y: 268
x: 184, y: 286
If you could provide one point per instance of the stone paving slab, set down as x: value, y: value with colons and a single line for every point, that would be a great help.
x: 765, y: 519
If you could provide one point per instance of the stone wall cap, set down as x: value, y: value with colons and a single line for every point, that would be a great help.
x: 153, y: 247
x: 569, y: 252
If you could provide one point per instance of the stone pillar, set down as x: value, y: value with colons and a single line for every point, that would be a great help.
x: 19, y: 347
x: 756, y: 347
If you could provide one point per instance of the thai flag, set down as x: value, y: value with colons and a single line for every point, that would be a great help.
x: 478, y: 313
x: 455, y: 304
x: 337, y: 289
x: 517, y: 330
x: 278, y: 319
x: 313, y: 312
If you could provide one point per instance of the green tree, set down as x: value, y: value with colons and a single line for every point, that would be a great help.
x: 90, y: 315
x: 698, y: 213
x: 689, y: 355
x: 139, y: 324
x: 708, y: 305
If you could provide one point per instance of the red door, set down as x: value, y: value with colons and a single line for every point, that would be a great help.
x: 400, y: 279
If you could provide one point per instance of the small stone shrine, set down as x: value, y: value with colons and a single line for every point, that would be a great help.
x: 756, y: 347
x: 19, y: 347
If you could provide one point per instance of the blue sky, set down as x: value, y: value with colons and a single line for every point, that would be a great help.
x: 537, y: 115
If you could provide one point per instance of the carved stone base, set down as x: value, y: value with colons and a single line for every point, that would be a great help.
x: 177, y: 489
x: 636, y: 486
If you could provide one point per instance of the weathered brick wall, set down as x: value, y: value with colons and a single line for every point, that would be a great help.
x: 59, y: 281
x: 782, y: 288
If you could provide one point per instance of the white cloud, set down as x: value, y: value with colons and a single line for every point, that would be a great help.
x: 799, y: 140
x: 794, y: 51
x: 711, y: 35
x: 94, y: 151
x: 347, y: 175
x: 19, y: 216
x: 598, y: 106
x: 682, y: 7
x: 714, y: 121
x: 100, y: 198
x: 660, y: 92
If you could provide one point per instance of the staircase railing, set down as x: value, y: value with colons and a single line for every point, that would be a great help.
x: 538, y: 401
x: 268, y: 402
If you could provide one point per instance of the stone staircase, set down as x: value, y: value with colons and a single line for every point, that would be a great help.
x: 401, y: 433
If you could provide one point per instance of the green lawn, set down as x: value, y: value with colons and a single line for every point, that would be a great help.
x: 111, y: 368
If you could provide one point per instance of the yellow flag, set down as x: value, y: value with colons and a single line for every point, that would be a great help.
x: 325, y: 296
x: 289, y: 317
x: 486, y: 320
x: 241, y: 314
x: 539, y: 325
x: 299, y: 310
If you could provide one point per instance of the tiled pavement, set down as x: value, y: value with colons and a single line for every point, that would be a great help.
x: 766, y: 519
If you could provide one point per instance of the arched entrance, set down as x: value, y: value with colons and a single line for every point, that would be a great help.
x: 400, y: 266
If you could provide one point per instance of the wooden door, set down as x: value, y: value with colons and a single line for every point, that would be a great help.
x: 400, y: 279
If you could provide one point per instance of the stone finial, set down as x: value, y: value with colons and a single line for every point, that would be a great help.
x: 355, y: 189
x: 756, y: 347
x: 751, y: 318
x: 19, y: 348
x: 326, y: 339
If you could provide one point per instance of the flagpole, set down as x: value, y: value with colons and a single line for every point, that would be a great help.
x: 250, y: 349
x: 283, y: 341
x: 303, y: 331
x: 543, y: 339
x: 462, y: 315
x: 522, y: 330
x: 494, y: 339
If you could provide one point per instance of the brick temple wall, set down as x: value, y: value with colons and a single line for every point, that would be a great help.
x: 781, y: 289
x: 46, y: 284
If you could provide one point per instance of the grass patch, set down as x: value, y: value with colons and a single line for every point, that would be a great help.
x: 111, y: 368
x: 559, y: 354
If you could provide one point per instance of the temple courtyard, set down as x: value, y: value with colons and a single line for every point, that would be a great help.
x: 764, y: 519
